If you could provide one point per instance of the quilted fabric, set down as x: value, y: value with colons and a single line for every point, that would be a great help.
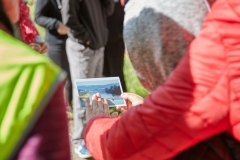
x: 199, y: 100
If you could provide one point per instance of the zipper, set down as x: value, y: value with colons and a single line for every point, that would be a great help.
x: 59, y: 4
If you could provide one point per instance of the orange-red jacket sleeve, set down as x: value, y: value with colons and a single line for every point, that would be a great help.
x: 191, y: 106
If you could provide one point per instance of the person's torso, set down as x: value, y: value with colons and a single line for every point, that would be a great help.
x: 54, y: 11
x: 92, y: 15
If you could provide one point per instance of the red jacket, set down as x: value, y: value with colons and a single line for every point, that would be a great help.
x: 199, y: 100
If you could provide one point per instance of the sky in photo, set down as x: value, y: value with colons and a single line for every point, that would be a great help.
x: 96, y: 81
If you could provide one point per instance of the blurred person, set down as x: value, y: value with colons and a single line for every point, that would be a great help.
x: 157, y: 33
x: 31, y: 87
x: 26, y: 31
x: 88, y: 34
x: 138, y: 23
x: 114, y: 49
x: 48, y: 15
x: 169, y: 38
x: 195, y: 106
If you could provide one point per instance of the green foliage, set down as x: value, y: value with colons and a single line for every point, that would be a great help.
x: 30, y: 2
x: 132, y: 82
x: 113, y: 109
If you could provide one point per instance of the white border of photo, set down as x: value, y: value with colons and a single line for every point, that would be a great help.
x: 91, y: 80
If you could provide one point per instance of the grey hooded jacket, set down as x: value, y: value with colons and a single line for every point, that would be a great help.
x: 158, y: 32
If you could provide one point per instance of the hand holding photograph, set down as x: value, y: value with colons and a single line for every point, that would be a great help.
x: 109, y: 88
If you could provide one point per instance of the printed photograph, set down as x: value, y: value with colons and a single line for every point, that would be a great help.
x: 109, y: 88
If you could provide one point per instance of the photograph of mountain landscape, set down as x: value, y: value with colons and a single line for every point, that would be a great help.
x: 109, y: 88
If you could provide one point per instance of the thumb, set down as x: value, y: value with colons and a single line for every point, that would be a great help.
x: 122, y: 2
x: 114, y: 115
x: 134, y: 98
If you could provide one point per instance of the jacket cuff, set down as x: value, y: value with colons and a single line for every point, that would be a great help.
x: 57, y: 24
x: 89, y: 124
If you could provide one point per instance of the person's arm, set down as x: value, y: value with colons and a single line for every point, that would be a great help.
x: 108, y: 6
x: 43, y: 7
x: 190, y: 107
x: 77, y: 31
x: 38, y: 39
x: 49, y: 138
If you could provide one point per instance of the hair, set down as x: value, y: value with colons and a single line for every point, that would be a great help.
x: 4, y: 19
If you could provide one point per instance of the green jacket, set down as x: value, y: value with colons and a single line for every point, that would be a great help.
x: 27, y: 82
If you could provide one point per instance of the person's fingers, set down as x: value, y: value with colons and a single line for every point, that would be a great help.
x: 94, y: 101
x: 87, y: 103
x: 120, y: 107
x: 94, y: 97
x: 44, y: 47
x: 36, y: 47
x: 98, y: 95
x: 114, y: 115
x: 88, y: 109
x: 103, y: 103
x: 134, y: 98
x: 123, y: 110
x: 106, y: 107
x: 100, y: 105
x: 130, y: 96
x: 126, y: 97
x: 129, y: 104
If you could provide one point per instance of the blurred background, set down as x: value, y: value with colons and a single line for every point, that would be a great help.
x: 132, y: 83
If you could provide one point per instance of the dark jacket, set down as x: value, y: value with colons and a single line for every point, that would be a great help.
x: 48, y: 15
x: 115, y: 24
x: 87, y: 20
